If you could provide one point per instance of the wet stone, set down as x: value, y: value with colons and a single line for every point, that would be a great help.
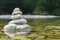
x: 1, y: 33
x: 52, y: 39
x: 6, y: 37
x: 41, y: 37
x: 56, y: 30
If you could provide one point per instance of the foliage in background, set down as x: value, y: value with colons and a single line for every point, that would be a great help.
x: 45, y: 7
x: 51, y: 7
x: 27, y: 6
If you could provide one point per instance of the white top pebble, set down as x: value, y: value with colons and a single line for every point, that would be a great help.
x: 16, y: 11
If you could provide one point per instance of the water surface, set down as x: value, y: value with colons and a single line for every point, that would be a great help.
x: 38, y: 29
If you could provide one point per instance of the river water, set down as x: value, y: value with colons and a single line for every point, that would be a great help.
x: 30, y: 16
x: 39, y: 30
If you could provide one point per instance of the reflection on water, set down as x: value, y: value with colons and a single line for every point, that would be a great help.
x: 39, y: 30
x: 30, y: 16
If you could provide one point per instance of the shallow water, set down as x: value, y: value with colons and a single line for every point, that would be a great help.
x: 39, y: 30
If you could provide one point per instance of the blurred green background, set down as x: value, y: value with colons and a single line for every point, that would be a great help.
x: 33, y: 7
x: 39, y: 7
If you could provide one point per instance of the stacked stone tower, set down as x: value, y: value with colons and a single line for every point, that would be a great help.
x: 18, y: 25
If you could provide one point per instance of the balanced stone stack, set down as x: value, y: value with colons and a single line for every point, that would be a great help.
x: 18, y: 25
